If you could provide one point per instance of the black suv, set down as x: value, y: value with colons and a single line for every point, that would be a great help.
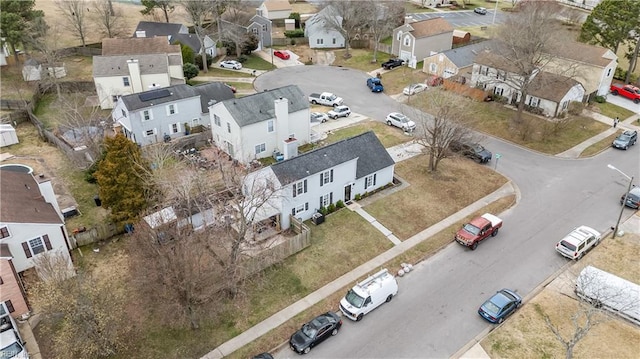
x: 474, y: 151
x: 625, y: 140
x: 391, y: 63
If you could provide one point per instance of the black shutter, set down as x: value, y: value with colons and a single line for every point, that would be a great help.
x: 294, y: 190
x: 305, y: 186
x: 374, y: 179
x: 306, y: 206
x: 331, y: 197
x: 365, y: 182
x: 293, y: 211
x: 331, y: 179
x: 321, y: 179
x: 9, y: 306
x: 47, y: 242
x: 27, y: 251
x: 320, y: 201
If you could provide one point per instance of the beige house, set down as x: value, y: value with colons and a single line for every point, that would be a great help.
x: 135, y: 65
x: 414, y: 41
x: 454, y: 62
x: 275, y: 9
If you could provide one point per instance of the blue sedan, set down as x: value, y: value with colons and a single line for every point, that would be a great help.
x: 500, y: 306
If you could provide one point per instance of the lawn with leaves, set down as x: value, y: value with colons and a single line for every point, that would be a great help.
x: 360, y: 59
x: 612, y: 111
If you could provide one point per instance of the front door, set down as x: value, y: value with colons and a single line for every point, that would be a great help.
x: 347, y: 193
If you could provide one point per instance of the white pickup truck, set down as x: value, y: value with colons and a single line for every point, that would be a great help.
x: 325, y: 98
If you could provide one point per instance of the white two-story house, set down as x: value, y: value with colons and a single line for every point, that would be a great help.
x: 416, y: 40
x: 262, y: 124
x: 306, y: 183
x: 135, y: 65
x: 163, y: 114
x: 320, y: 35
x: 31, y: 222
x: 177, y: 33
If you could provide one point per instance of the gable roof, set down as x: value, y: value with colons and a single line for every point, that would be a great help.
x: 490, y: 59
x: 277, y: 5
x: 22, y: 201
x: 106, y: 66
x: 366, y: 148
x: 465, y: 55
x: 210, y: 91
x: 429, y: 27
x: 591, y: 54
x: 318, y: 18
x: 259, y: 107
x: 153, y: 29
x: 551, y: 86
x: 138, y: 46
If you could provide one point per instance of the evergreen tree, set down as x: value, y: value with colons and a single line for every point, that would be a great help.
x: 121, y: 179
x: 17, y: 19
x: 611, y: 23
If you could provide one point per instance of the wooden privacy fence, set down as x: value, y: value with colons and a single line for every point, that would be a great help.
x: 476, y: 94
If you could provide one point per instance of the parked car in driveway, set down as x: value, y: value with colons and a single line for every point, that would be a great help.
x: 315, y: 332
x: 480, y: 10
x: 401, y: 121
x: 502, y: 304
x: 575, y: 244
x: 475, y: 151
x: 392, y: 63
x: 633, y: 198
x: 625, y: 140
x: 231, y: 64
x: 414, y: 89
x: 281, y: 54
x: 339, y: 111
x: 319, y: 117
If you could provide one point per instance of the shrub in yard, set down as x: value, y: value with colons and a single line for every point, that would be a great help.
x: 323, y: 210
x: 358, y: 197
x: 331, y: 208
x: 600, y: 99
x: 575, y: 108
x: 199, y: 61
x: 190, y: 70
x: 242, y: 59
x: 340, y: 204
x: 294, y: 33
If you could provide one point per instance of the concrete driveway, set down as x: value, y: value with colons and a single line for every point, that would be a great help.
x: 266, y: 55
x: 624, y: 103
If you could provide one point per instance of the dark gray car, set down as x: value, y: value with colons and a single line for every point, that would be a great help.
x: 474, y: 151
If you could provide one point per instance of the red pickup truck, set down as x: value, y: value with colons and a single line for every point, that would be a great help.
x: 629, y: 91
x: 478, y: 229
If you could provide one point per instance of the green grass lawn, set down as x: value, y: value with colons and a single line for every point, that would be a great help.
x: 388, y: 135
x: 612, y: 111
x: 599, y: 146
x: 219, y: 72
x: 360, y: 59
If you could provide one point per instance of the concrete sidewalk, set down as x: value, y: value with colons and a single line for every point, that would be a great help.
x: 305, y: 303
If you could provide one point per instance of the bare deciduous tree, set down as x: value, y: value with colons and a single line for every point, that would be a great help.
x: 382, y: 19
x: 74, y: 12
x: 527, y: 42
x: 199, y: 12
x: 81, y: 123
x: 111, y: 22
x: 345, y: 17
x: 85, y: 316
x: 449, y: 122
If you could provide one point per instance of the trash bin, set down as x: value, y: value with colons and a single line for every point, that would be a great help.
x: 317, y: 218
x: 97, y: 200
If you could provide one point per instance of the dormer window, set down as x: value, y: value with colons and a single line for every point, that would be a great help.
x: 407, y: 40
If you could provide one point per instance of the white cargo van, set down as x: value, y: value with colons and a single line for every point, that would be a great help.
x: 369, y: 294
x: 11, y: 347
x: 610, y: 292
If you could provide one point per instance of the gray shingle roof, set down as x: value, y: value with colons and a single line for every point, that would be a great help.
x: 366, y: 148
x: 106, y: 66
x: 207, y: 92
x: 152, y: 29
x: 465, y: 55
x: 260, y: 107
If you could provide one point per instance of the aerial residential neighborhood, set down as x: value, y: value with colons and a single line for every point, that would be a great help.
x: 334, y: 179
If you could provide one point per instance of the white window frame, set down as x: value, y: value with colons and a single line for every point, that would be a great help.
x: 260, y: 148
x: 407, y: 41
x: 146, y: 133
x: 320, y: 41
x: 433, y: 68
x: 216, y: 120
x: 326, y: 200
x: 399, y: 36
x: 4, y: 229
x: 32, y: 243
x: 271, y: 126
x: 147, y: 115
x: 534, y: 101
x: 174, y: 128
x: 498, y: 91
x: 172, y: 109
x: 254, y: 30
x: 114, y: 98
x: 368, y: 181
x: 326, y: 177
x: 298, y: 187
x: 300, y: 209
x: 195, y: 122
x: 125, y: 81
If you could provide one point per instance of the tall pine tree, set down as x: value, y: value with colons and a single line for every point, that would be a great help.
x: 121, y: 179
x: 611, y: 23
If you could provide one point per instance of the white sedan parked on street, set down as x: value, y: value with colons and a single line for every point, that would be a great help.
x: 414, y: 89
x: 231, y: 64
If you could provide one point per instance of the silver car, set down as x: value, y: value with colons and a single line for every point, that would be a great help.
x: 401, y: 121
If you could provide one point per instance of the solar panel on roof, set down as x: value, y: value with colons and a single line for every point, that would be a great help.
x: 152, y: 95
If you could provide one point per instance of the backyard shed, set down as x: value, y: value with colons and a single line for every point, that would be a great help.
x: 461, y: 37
x: 32, y: 70
x: 8, y: 135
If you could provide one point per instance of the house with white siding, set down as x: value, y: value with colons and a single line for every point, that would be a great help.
x: 31, y: 222
x: 135, y: 65
x: 321, y: 177
x: 416, y: 40
x: 320, y: 35
x: 163, y: 114
x: 177, y: 33
x: 262, y: 124
x: 275, y: 9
